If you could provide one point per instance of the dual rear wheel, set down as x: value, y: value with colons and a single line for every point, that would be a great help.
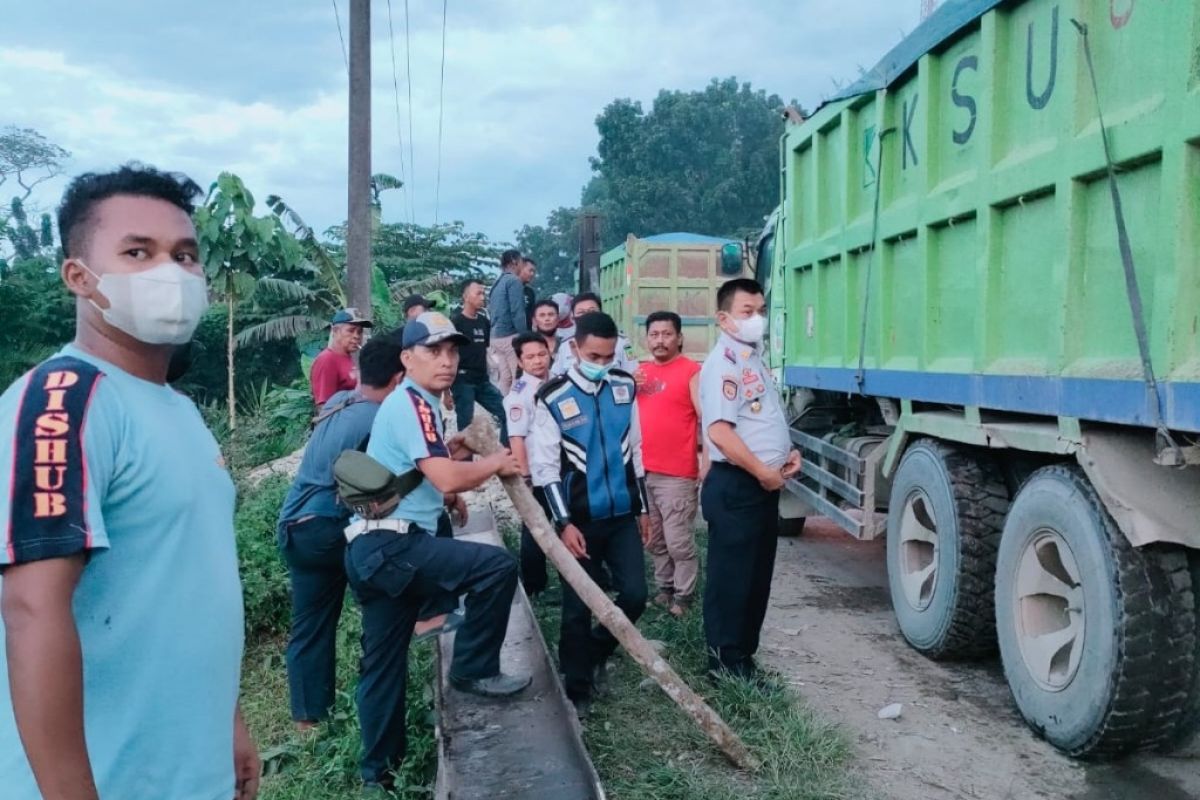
x: 1098, y: 639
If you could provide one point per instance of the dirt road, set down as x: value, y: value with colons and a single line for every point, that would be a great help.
x: 831, y: 631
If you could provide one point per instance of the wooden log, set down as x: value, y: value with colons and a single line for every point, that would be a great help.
x: 481, y: 438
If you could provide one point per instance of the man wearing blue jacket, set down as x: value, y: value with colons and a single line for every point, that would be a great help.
x: 585, y: 451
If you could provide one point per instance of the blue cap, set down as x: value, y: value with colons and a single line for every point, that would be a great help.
x: 429, y: 329
x: 350, y: 316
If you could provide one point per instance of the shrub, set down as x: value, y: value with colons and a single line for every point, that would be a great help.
x: 265, y: 586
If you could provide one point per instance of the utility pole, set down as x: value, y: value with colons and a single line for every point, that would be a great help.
x: 589, y: 252
x: 358, y: 236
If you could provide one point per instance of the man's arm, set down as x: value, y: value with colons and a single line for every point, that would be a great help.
x: 324, y: 378
x: 639, y: 470
x: 694, y: 387
x: 516, y: 306
x: 517, y: 443
x: 45, y: 674
x: 451, y: 477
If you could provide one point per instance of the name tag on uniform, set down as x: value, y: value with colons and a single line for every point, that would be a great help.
x: 621, y: 394
x: 569, y: 408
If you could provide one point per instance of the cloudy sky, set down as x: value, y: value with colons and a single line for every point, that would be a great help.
x: 259, y: 87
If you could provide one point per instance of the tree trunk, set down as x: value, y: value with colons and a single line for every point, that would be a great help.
x: 229, y: 357
x: 481, y: 438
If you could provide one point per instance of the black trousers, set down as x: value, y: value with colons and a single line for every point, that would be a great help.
x: 533, y: 561
x: 392, y: 576
x: 468, y: 390
x: 743, y: 535
x: 314, y: 551
x: 582, y: 645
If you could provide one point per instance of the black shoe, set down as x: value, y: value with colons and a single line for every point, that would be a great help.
x: 499, y: 685
x: 600, y: 677
x: 583, y: 707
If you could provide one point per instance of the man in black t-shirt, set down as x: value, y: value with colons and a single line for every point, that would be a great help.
x: 472, y: 385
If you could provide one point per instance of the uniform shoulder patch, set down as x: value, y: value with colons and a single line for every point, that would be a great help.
x: 48, y: 501
x: 729, y: 388
x: 427, y: 419
x: 729, y: 356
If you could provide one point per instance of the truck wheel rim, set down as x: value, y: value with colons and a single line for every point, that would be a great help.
x: 918, y: 551
x: 1049, y: 610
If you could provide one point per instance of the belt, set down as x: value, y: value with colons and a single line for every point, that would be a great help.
x: 356, y: 529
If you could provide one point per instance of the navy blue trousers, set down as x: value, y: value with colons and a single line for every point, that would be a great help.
x: 581, y: 645
x: 743, y: 535
x: 393, y: 576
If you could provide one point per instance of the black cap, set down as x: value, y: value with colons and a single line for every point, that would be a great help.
x: 414, y: 300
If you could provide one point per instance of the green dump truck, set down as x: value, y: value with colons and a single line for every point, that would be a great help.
x: 984, y: 292
x: 669, y: 272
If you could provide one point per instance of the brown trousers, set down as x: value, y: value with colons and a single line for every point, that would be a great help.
x: 506, y: 362
x: 672, y: 542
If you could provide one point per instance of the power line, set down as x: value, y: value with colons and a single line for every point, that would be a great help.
x: 437, y: 194
x: 412, y: 164
x: 396, y: 95
x: 338, y: 19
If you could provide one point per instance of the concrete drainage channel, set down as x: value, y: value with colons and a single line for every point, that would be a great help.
x: 529, y: 746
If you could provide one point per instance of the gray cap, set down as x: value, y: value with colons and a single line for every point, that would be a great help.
x: 429, y: 329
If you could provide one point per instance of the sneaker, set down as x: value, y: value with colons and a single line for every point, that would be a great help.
x: 500, y: 685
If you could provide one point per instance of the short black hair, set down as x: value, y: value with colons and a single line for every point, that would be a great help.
x: 546, y: 301
x: 86, y: 191
x: 665, y: 316
x: 467, y: 284
x: 509, y: 257
x: 585, y: 296
x: 414, y: 300
x: 528, y: 338
x: 529, y: 261
x: 379, y: 359
x: 730, y: 288
x: 598, y: 324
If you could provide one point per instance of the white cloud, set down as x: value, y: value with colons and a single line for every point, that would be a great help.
x: 524, y: 83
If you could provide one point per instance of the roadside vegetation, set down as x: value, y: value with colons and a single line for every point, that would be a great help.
x: 645, y: 748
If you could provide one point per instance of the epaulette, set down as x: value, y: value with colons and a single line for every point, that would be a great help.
x: 550, y: 385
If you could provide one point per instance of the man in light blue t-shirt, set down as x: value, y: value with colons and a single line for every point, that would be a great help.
x: 396, y: 565
x: 122, y: 607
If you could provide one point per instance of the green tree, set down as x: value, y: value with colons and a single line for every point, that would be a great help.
x: 555, y: 247
x: 27, y: 158
x: 243, y: 254
x: 703, y: 161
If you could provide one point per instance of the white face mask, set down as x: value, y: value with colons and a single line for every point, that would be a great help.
x: 751, y: 329
x: 160, y: 305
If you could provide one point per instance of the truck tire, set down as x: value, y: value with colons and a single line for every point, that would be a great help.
x: 1188, y: 729
x: 946, y: 511
x: 1097, y: 638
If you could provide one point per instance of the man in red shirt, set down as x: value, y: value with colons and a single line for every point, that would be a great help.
x: 333, y: 370
x: 670, y: 396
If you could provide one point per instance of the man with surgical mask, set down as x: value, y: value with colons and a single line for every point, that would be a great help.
x: 751, y: 456
x: 119, y: 587
x: 585, y: 452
